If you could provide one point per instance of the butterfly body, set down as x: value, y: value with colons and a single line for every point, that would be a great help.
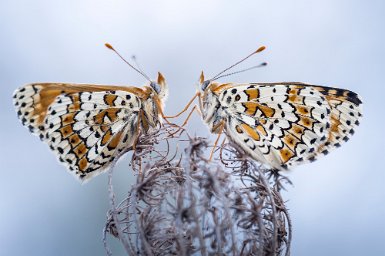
x: 89, y: 126
x: 281, y: 124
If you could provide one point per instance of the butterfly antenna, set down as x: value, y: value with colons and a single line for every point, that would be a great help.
x: 263, y: 64
x: 128, y: 63
x: 135, y: 60
x: 260, y: 49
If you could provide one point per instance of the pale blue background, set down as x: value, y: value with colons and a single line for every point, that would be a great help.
x: 337, y: 204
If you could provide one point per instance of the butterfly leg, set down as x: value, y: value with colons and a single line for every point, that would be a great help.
x: 186, y: 107
x: 221, y: 151
x: 189, y: 115
x: 198, y: 110
x: 165, y: 119
x: 220, y: 128
x: 162, y: 114
x: 195, y: 108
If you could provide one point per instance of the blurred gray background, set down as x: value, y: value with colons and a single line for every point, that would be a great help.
x: 337, y: 204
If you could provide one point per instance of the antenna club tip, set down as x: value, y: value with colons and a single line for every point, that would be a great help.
x: 260, y: 49
x: 109, y: 46
x: 264, y: 64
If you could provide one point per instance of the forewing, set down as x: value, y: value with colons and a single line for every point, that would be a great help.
x: 87, y: 127
x: 285, y: 124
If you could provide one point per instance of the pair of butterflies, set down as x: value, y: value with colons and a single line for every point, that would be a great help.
x: 280, y: 124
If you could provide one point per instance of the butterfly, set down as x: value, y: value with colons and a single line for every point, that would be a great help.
x: 279, y: 124
x: 90, y: 126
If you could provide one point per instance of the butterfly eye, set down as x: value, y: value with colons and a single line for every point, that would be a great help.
x: 155, y: 86
x: 205, y: 84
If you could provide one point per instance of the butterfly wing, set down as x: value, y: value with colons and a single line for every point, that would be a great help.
x: 285, y: 124
x: 87, y: 126
x: 346, y: 112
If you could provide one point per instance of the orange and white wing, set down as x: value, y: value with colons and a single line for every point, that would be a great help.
x: 346, y: 112
x: 88, y: 127
x: 285, y: 124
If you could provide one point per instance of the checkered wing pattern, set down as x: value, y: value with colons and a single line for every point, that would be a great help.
x: 285, y: 124
x: 87, y: 126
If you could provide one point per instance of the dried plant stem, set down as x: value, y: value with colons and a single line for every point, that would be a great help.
x: 190, y: 206
x: 270, y: 195
x: 113, y: 212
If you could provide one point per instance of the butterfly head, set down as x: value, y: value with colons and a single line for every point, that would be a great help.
x: 160, y: 87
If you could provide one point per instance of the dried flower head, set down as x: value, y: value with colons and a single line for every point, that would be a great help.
x: 191, y: 206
